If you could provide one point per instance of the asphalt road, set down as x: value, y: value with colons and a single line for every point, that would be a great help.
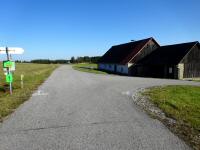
x: 82, y: 111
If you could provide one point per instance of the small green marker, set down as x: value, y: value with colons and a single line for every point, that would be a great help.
x: 8, y: 64
x: 9, y: 78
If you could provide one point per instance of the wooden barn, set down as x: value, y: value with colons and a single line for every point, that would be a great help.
x: 173, y: 61
x: 122, y: 58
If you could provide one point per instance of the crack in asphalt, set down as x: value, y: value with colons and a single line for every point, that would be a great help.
x: 63, y: 126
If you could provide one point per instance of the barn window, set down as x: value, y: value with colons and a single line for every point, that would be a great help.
x: 170, y: 70
x: 122, y: 69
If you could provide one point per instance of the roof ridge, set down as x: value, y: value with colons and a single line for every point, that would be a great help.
x: 180, y: 44
x: 133, y: 41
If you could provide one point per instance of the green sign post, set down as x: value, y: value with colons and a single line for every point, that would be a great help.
x: 9, y: 78
x: 8, y: 64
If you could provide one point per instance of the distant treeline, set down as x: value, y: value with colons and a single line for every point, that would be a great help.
x: 48, y: 61
x: 85, y: 59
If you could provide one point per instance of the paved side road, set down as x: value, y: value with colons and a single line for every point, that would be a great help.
x: 73, y: 110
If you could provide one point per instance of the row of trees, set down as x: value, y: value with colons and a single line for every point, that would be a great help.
x: 85, y: 59
x: 48, y: 61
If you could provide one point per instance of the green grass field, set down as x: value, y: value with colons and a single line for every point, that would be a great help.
x: 34, y: 75
x: 87, y: 67
x: 181, y: 103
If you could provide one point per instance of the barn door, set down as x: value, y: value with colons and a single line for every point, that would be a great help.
x: 171, y: 72
x: 115, y: 68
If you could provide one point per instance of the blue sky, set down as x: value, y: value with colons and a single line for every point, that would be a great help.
x: 59, y: 29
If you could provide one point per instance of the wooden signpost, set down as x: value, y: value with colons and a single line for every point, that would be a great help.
x: 8, y: 64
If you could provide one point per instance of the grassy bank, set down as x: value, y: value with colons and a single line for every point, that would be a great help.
x: 34, y: 75
x: 87, y: 67
x: 183, y: 104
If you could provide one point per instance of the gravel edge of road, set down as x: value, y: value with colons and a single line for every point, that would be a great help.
x: 154, y: 112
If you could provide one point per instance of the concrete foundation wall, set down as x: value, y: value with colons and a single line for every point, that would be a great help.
x: 180, y: 71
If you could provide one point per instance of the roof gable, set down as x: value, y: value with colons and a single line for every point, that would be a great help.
x: 170, y: 54
x: 134, y: 54
x: 122, y: 54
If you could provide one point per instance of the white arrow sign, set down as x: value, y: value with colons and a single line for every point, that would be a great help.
x: 12, y: 50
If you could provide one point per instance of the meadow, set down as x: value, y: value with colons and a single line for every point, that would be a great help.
x: 88, y: 67
x: 182, y: 103
x: 34, y: 75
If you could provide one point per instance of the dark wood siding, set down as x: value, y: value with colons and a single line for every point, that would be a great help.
x: 149, y: 47
x: 191, y: 70
x: 192, y: 63
x: 157, y: 71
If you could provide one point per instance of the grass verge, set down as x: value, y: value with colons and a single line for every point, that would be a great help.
x: 34, y: 75
x: 181, y: 103
x: 88, y: 67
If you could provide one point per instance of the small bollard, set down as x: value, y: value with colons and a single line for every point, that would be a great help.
x: 22, y: 81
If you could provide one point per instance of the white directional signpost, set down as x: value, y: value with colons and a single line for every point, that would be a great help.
x: 8, y: 64
x: 11, y: 50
